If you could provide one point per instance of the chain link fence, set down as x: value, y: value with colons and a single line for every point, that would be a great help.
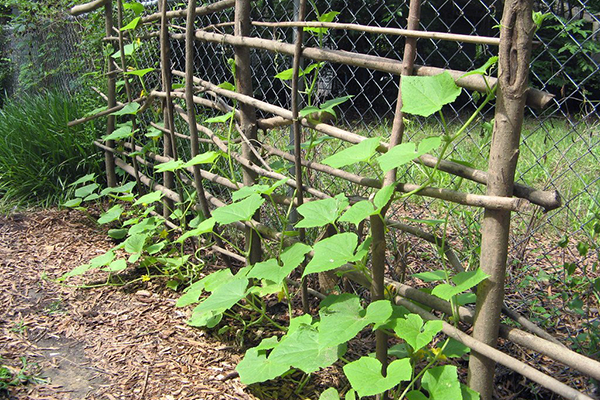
x: 559, y: 145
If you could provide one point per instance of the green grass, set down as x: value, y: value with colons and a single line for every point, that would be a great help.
x: 39, y: 154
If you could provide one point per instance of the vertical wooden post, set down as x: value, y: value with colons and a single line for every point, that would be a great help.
x: 169, y: 148
x: 378, y: 246
x: 297, y: 132
x: 516, y: 33
x: 109, y: 160
x: 247, y: 113
x: 133, y: 119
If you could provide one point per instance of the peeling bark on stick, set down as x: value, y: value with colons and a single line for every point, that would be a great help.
x: 516, y: 33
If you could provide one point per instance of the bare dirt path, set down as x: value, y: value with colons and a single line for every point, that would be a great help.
x: 103, y: 343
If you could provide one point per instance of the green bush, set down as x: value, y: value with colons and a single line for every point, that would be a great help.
x: 39, y: 154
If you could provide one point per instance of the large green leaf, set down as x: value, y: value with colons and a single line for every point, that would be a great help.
x: 86, y: 190
x: 129, y: 109
x: 463, y: 281
x: 342, y: 317
x: 442, y: 383
x: 246, y: 191
x: 240, y: 211
x: 406, y: 152
x: 222, y: 299
x: 112, y: 214
x: 358, y: 212
x: 132, y: 25
x: 194, y: 291
x: 205, y: 226
x: 208, y: 157
x: 365, y: 375
x: 417, y: 334
x: 332, y: 252
x: 321, y: 212
x: 301, y: 349
x: 362, y: 151
x: 120, y: 133
x: 330, y: 394
x: 256, y: 367
x: 171, y: 165
x: 425, y: 95
x: 326, y: 17
x: 149, y: 198
x: 270, y: 269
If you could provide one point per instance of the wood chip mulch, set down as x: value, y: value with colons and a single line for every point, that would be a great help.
x: 103, y: 343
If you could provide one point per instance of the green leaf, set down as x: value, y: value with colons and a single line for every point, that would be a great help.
x: 483, y: 69
x: 442, y: 383
x: 256, y: 367
x: 156, y: 247
x: 73, y: 203
x: 222, y: 299
x: 134, y: 6
x: 117, y: 234
x: 365, y: 376
x: 129, y: 109
x: 128, y: 49
x: 454, y: 348
x: 120, y: 133
x: 332, y: 252
x: 463, y: 281
x: 220, y: 118
x: 80, y: 270
x: 406, y: 152
x: 270, y: 269
x: 205, y: 226
x: 358, y: 212
x: 126, y: 188
x: 431, y: 276
x: 205, y: 158
x: 140, y: 72
x: 414, y: 332
x: 104, y: 259
x: 327, y: 17
x: 135, y: 243
x: 330, y: 394
x: 84, y: 179
x: 86, y: 190
x: 342, y: 317
x: 425, y: 95
x: 240, y: 211
x: 194, y: 291
x: 132, y: 25
x: 116, y: 266
x: 301, y: 349
x: 149, y: 198
x: 153, y: 132
x: 321, y: 212
x: 260, y: 189
x: 288, y: 73
x: 171, y: 165
x: 362, y: 151
x: 227, y: 86
x: 113, y: 214
x: 383, y: 196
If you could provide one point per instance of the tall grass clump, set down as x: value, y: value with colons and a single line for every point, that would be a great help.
x: 39, y: 154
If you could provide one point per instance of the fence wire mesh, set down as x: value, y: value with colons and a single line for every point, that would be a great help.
x: 559, y: 148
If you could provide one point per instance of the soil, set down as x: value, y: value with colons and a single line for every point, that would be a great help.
x: 102, y: 343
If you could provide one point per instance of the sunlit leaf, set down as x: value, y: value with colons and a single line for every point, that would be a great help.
x: 149, y: 198
x: 414, y: 332
x: 240, y: 211
x: 332, y: 252
x: 425, y: 95
x: 362, y: 151
x: 462, y: 281
x: 321, y: 212
x: 140, y: 72
x: 442, y: 383
x: 365, y: 375
x: 129, y: 109
x: 132, y: 25
x: 406, y: 152
x: 205, y: 158
x: 112, y: 214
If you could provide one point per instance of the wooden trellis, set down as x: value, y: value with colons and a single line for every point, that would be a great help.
x: 501, y: 199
